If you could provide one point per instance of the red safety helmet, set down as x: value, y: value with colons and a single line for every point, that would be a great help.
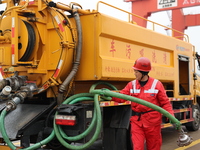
x: 142, y: 64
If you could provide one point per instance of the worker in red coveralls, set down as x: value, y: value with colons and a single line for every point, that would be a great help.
x: 146, y: 122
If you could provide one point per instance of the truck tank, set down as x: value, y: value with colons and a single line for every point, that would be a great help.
x: 41, y: 44
x: 50, y: 51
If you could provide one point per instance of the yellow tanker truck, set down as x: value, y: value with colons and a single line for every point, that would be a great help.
x: 53, y: 59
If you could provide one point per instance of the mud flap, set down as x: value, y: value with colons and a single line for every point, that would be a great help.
x: 117, y: 128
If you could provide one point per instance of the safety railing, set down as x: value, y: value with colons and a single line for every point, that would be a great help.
x: 184, y: 36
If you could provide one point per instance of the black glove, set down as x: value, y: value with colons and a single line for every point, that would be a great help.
x: 174, y: 125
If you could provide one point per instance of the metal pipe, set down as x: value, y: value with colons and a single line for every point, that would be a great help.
x: 67, y: 8
x: 19, y: 98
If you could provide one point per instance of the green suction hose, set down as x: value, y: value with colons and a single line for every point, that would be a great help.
x: 106, y: 92
x: 87, y: 131
x: 104, y: 83
x: 61, y: 135
x: 11, y: 145
x: 97, y: 119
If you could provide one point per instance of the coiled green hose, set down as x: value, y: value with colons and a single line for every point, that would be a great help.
x: 97, y: 119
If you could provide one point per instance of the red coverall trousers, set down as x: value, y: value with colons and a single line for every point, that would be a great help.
x: 152, y: 135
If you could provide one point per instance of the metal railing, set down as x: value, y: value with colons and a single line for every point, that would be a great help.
x: 184, y: 36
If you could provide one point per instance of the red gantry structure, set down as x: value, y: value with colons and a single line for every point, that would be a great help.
x: 180, y: 21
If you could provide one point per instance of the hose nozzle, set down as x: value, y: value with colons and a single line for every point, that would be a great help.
x: 184, y: 139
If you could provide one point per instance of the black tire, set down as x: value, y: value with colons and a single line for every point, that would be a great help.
x: 55, y: 145
x: 194, y: 125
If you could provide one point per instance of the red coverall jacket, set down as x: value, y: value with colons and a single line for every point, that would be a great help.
x: 153, y: 92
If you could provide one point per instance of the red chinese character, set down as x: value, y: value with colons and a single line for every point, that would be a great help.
x: 112, y: 48
x: 154, y: 57
x: 128, y: 51
x: 142, y: 52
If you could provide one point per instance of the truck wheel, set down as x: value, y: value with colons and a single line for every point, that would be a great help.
x: 55, y: 145
x: 194, y: 125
